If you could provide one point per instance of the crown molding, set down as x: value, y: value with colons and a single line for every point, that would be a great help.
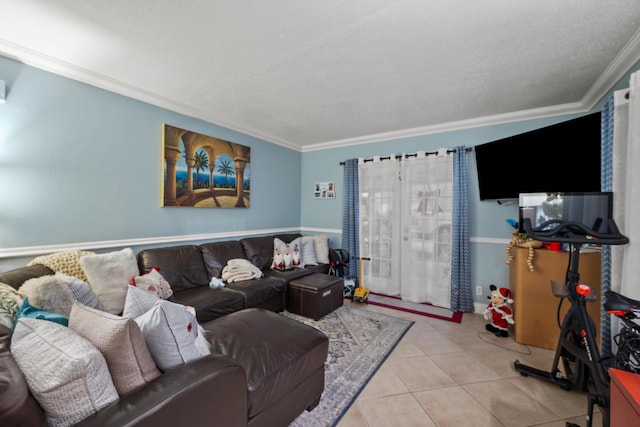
x: 516, y: 116
x: 65, y: 69
x: 623, y: 62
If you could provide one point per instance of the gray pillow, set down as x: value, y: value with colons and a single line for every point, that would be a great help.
x: 80, y: 290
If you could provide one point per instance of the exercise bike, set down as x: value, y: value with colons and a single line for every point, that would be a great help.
x: 583, y: 367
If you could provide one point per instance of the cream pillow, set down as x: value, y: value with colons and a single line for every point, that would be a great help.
x: 171, y: 332
x: 64, y: 262
x: 109, y: 275
x: 66, y: 374
x: 120, y: 341
x: 321, y: 244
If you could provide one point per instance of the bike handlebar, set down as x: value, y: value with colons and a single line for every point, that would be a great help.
x: 574, y: 232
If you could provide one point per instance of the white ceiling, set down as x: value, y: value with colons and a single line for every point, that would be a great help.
x: 313, y: 74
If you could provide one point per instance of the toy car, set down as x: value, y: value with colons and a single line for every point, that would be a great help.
x: 361, y: 295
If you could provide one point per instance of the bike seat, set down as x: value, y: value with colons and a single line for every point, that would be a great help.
x: 617, y: 302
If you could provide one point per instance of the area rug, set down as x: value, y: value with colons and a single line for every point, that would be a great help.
x: 359, y: 342
x: 415, y: 308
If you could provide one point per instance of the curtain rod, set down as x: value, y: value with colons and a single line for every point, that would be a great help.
x: 406, y: 156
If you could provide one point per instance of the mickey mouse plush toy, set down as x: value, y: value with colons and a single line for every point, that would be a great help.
x: 498, y: 312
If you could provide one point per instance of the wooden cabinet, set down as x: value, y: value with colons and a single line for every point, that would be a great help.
x: 535, y: 308
x: 625, y: 398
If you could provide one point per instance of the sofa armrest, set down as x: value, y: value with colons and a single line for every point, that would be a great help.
x: 211, y: 390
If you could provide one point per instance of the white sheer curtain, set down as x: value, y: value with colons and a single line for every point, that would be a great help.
x: 380, y: 224
x: 406, y: 211
x: 625, y: 268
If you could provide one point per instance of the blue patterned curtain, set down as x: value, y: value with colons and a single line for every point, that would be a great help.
x: 606, y: 178
x: 351, y: 216
x: 461, y: 294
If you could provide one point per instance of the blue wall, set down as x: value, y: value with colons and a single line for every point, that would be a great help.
x: 80, y: 164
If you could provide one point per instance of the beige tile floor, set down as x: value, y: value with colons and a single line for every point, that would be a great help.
x: 457, y: 374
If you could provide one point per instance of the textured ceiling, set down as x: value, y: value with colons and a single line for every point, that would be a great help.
x: 318, y: 74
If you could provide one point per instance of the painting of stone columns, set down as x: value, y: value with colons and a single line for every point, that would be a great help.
x: 204, y: 172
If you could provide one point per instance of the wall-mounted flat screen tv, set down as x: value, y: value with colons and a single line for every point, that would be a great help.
x: 564, y: 157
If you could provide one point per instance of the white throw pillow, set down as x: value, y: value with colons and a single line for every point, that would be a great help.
x: 154, y: 283
x: 48, y: 293
x: 109, y: 275
x: 321, y: 243
x: 138, y: 302
x: 66, y: 374
x: 171, y: 331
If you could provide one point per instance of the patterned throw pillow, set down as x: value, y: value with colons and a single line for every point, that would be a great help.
x: 64, y: 262
x: 66, y: 374
x: 10, y: 302
x: 285, y: 255
x: 120, y: 341
x: 154, y: 283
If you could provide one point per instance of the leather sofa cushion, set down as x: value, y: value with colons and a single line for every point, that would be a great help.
x: 181, y: 266
x: 210, y: 303
x: 217, y: 254
x: 15, y: 278
x: 256, y: 291
x: 259, y: 250
x: 277, y: 353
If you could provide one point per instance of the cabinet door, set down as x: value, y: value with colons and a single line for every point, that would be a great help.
x: 535, y: 309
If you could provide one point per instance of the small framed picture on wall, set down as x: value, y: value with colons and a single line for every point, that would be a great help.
x: 324, y: 190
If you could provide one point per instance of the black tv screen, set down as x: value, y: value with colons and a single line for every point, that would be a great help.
x: 564, y: 157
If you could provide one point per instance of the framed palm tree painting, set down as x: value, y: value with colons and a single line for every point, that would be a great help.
x: 203, y: 171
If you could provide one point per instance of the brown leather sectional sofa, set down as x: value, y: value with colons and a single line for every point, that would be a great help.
x: 236, y: 385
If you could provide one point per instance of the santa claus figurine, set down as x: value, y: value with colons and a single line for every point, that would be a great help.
x: 498, y: 312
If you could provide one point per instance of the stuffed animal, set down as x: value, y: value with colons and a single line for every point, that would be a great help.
x: 498, y: 312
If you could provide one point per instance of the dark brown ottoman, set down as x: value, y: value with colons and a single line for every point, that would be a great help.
x: 315, y: 295
x: 283, y: 359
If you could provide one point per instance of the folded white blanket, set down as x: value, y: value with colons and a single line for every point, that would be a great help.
x: 240, y: 269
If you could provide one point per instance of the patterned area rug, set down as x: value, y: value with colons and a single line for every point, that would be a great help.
x: 359, y: 341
